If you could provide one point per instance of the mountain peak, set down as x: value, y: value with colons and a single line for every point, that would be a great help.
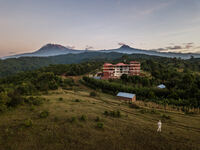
x: 124, y: 46
x: 50, y: 46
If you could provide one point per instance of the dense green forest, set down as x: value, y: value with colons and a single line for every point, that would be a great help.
x: 15, y: 89
x: 17, y: 65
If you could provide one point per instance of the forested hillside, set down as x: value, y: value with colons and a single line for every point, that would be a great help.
x: 49, y: 108
x: 12, y: 66
x: 14, y: 89
x: 16, y: 65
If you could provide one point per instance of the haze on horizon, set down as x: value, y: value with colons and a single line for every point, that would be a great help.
x: 163, y: 25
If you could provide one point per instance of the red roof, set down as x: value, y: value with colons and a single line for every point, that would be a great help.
x: 108, y: 64
x: 121, y: 64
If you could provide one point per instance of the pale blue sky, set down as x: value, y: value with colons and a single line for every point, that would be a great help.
x: 26, y: 25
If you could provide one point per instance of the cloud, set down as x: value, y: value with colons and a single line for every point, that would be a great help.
x: 121, y: 43
x: 188, y: 45
x: 88, y: 47
x: 177, y: 48
x: 70, y: 47
x: 170, y: 48
x: 191, y: 43
x: 155, y: 8
x: 174, y: 47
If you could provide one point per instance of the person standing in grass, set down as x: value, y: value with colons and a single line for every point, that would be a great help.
x: 159, y: 126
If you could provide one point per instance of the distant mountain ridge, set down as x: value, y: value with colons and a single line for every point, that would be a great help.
x: 46, y: 51
x: 56, y: 49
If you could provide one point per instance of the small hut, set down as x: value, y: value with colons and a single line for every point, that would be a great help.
x: 161, y: 86
x: 128, y: 97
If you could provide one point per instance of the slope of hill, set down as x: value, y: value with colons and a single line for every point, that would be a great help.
x: 74, y: 120
x: 41, y: 110
x: 55, y: 49
x: 15, y: 65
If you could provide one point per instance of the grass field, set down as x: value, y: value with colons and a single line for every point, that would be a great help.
x: 72, y: 119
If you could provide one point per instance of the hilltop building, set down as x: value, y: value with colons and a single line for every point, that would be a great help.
x: 114, y: 71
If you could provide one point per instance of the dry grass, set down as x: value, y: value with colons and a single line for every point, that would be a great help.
x: 63, y: 128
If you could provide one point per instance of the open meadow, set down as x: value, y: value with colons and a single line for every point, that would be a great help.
x: 73, y: 119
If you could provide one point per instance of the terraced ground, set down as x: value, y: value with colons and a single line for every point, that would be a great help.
x: 75, y: 120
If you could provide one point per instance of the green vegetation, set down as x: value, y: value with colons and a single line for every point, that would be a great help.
x: 28, y: 123
x: 93, y: 94
x: 133, y: 105
x: 44, y: 114
x: 83, y: 118
x: 100, y: 125
x: 18, y: 89
x: 177, y: 92
x: 49, y: 109
x: 97, y: 119
x: 115, y: 114
x: 12, y: 66
x: 77, y: 100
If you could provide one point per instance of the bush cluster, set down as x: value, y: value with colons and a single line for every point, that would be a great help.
x: 44, y: 114
x: 93, y: 94
x: 116, y: 114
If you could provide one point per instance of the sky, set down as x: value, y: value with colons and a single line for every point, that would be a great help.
x: 162, y: 25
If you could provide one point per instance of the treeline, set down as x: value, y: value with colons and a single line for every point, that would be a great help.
x: 16, y: 65
x: 13, y: 90
x: 73, y: 69
x: 161, y: 96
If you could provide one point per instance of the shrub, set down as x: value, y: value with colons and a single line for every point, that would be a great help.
x: 3, y: 108
x: 15, y: 99
x: 93, y: 94
x: 116, y: 114
x: 28, y: 123
x: 165, y: 116
x: 133, y: 105
x: 153, y: 111
x: 56, y: 119
x: 32, y: 108
x: 99, y: 125
x: 34, y: 100
x: 97, y: 119
x: 60, y: 99
x: 68, y: 82
x: 83, y: 118
x: 77, y: 100
x: 106, y: 113
x: 44, y: 114
x: 143, y: 111
x: 73, y: 119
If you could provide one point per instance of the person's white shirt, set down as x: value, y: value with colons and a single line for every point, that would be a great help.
x: 159, y: 126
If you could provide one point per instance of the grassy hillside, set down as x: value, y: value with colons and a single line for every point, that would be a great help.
x: 72, y: 119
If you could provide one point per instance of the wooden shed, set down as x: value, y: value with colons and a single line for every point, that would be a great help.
x: 129, y: 97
